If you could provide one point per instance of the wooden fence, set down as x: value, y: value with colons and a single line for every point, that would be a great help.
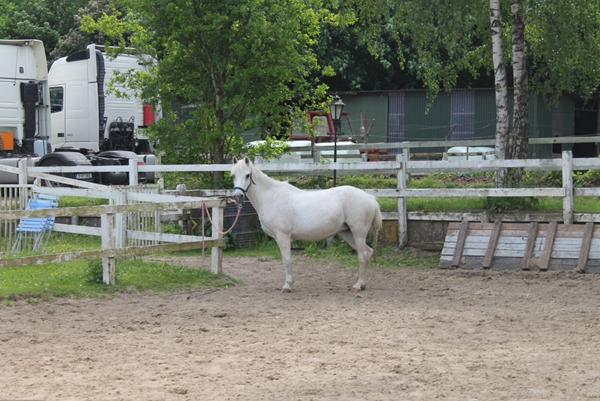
x: 401, y: 168
x: 113, y: 229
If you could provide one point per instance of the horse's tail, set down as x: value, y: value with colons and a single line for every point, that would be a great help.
x: 376, y: 225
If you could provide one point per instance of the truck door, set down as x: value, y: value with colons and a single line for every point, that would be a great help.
x: 58, y: 115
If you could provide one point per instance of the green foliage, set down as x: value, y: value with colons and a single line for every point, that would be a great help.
x: 564, y: 42
x: 222, y: 68
x: 453, y: 180
x: 500, y: 205
x: 542, y: 179
x: 270, y: 148
x: 46, y: 20
x: 368, y: 181
x: 588, y: 178
x: 437, y: 42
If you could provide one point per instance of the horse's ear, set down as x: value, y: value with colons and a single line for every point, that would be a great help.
x: 235, y: 160
x: 247, y: 160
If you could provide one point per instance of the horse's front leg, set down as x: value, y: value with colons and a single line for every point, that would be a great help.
x: 285, y: 247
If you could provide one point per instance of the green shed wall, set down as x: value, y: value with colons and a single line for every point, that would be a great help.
x: 375, y: 109
x: 424, y: 121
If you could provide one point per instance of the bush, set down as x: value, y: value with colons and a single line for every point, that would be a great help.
x: 542, y: 179
x: 589, y: 178
x: 499, y: 205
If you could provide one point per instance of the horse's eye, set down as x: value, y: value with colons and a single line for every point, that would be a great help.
x: 248, y: 175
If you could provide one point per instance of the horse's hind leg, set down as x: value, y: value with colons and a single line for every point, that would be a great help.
x: 349, y: 238
x: 285, y: 247
x: 364, y: 253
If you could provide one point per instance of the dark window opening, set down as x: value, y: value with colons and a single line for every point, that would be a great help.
x: 56, y: 99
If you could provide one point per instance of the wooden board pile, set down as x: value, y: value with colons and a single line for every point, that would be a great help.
x: 522, y: 246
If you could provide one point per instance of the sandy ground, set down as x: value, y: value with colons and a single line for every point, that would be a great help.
x: 448, y: 335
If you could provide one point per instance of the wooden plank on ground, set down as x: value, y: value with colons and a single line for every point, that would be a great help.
x: 489, y: 253
x: 531, y: 237
x: 460, y: 243
x: 585, y: 247
x: 548, y: 244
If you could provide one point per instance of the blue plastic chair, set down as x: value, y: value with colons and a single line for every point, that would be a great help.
x: 38, y: 228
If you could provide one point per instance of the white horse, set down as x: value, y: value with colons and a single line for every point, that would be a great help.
x: 287, y: 213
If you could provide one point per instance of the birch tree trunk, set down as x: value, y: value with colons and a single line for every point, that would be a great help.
x: 501, y: 87
x: 518, y: 146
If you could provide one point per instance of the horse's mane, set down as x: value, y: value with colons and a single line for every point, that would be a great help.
x: 274, y: 181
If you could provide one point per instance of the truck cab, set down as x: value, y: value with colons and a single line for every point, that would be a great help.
x: 85, y: 114
x: 24, y: 104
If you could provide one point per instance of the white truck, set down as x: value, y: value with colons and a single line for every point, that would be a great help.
x: 65, y: 118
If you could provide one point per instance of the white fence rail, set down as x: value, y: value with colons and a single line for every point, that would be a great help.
x: 401, y: 167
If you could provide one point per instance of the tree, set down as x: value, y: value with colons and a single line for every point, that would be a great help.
x: 439, y: 43
x: 519, y: 135
x: 46, y: 20
x: 500, y: 84
x: 75, y: 39
x: 233, y: 65
x: 563, y: 39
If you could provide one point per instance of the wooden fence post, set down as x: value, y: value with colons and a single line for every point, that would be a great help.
x: 108, y: 243
x: 567, y: 181
x: 316, y: 156
x: 120, y: 220
x: 216, y: 252
x: 23, y: 175
x: 133, y: 172
x: 402, y: 210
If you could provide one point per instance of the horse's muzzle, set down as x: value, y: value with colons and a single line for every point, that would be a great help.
x: 238, y: 195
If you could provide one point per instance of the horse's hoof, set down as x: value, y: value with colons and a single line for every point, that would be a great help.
x: 286, y: 289
x: 359, y: 287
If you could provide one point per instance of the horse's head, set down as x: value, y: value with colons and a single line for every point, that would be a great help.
x: 242, y: 177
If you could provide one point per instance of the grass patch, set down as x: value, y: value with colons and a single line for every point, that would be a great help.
x: 61, y: 243
x: 581, y: 205
x: 75, y: 201
x: 83, y: 279
x: 388, y: 257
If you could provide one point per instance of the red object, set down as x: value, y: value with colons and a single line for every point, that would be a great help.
x: 149, y: 116
x: 329, y: 137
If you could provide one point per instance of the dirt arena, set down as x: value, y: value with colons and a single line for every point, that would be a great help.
x: 413, y: 335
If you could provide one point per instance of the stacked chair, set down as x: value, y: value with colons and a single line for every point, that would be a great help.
x: 36, y: 228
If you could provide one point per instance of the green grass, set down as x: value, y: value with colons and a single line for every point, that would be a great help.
x: 581, y: 205
x: 75, y: 201
x: 340, y: 253
x: 62, y: 243
x: 83, y: 279
x: 388, y: 257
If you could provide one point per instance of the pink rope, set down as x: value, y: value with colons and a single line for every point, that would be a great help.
x: 237, y: 216
x: 205, y: 208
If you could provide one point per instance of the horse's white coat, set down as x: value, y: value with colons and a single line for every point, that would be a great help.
x: 287, y: 213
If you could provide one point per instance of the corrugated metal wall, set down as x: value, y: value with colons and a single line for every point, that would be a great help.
x: 396, y: 122
x: 375, y: 109
x: 463, y: 114
x: 426, y: 121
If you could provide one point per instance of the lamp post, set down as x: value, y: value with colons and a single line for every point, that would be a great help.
x: 336, y: 107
